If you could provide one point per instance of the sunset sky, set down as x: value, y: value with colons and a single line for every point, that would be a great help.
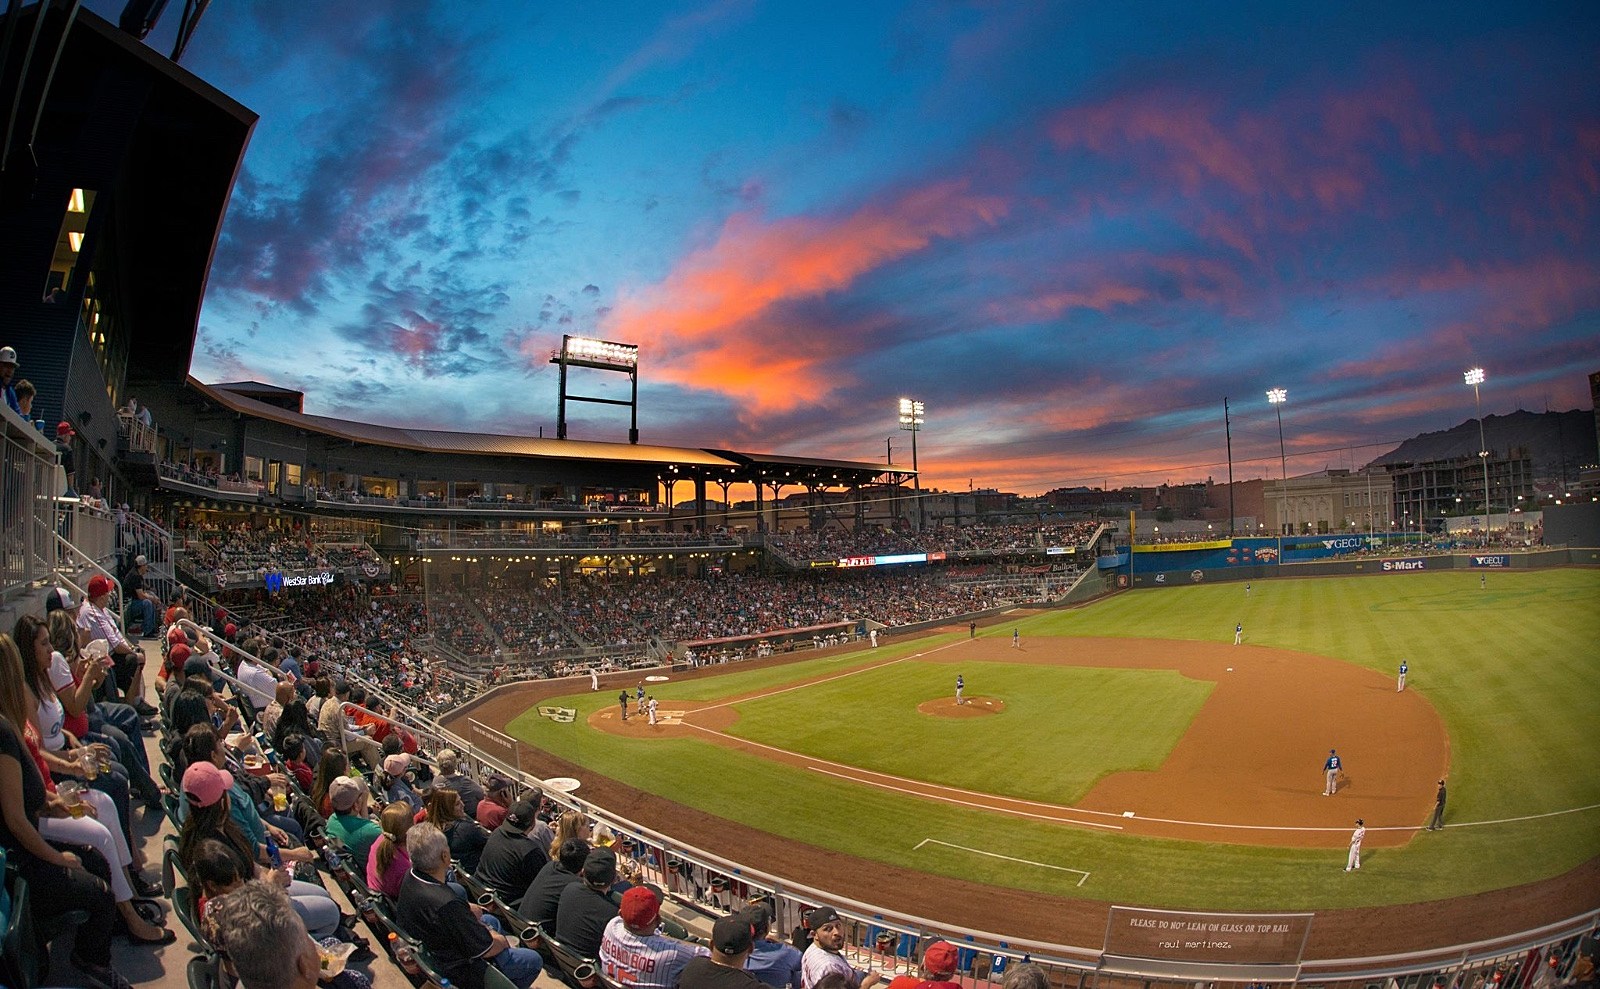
x: 1071, y: 229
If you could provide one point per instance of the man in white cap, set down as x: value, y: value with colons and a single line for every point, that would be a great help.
x: 8, y: 371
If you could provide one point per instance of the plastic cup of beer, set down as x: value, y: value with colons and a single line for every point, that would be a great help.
x: 280, y: 799
x: 90, y: 763
x: 71, y: 794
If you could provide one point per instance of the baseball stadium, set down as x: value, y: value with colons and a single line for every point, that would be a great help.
x: 1054, y: 736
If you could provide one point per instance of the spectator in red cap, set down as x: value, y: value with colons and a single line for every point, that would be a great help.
x: 939, y: 963
x: 634, y: 953
x: 127, y: 658
x: 64, y: 437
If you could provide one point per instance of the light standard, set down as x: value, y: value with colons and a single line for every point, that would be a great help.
x: 1277, y: 396
x: 1474, y: 378
x: 911, y: 421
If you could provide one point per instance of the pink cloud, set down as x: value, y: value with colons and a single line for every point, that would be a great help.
x: 712, y: 318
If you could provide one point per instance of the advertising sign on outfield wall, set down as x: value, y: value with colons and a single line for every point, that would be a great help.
x: 1404, y: 566
x: 1192, y: 936
x: 1491, y: 561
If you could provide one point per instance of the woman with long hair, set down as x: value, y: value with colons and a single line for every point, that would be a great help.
x: 76, y: 678
x: 98, y: 827
x: 65, y: 754
x: 445, y: 811
x: 387, y: 862
x: 206, y: 792
x: 334, y: 763
x: 296, y: 720
x: 572, y: 824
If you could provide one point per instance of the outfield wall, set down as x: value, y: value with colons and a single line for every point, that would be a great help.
x: 1184, y: 566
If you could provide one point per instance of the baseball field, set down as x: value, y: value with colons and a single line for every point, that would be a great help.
x: 1127, y: 751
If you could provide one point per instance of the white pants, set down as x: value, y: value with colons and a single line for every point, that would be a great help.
x: 1402, y: 684
x: 1237, y: 636
x: 1332, y: 786
x: 104, y: 836
x: 1354, y: 861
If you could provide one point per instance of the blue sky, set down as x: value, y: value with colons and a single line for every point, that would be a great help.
x: 1070, y: 229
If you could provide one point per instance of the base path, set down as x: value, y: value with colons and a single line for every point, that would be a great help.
x: 1262, y: 734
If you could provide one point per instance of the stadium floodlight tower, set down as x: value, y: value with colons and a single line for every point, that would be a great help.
x: 602, y: 355
x: 911, y: 412
x: 1277, y: 396
x: 1474, y: 378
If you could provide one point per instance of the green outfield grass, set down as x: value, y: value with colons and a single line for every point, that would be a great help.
x: 1512, y: 671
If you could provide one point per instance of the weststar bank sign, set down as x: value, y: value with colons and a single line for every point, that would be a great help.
x: 1400, y: 566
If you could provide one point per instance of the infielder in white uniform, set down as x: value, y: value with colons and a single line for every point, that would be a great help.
x: 594, y: 678
x: 1354, y: 861
x: 652, y: 708
x: 960, y: 686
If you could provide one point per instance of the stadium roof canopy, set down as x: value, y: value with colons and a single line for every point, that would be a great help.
x: 688, y: 463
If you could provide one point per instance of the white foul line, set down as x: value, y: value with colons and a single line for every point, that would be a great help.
x: 1008, y: 858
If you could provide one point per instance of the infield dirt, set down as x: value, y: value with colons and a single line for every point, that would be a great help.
x: 1251, y: 757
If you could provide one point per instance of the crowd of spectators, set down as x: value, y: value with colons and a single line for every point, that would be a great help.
x: 247, y: 549
x: 1005, y: 538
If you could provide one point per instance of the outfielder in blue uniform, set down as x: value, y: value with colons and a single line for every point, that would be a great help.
x: 1401, y: 684
x: 1330, y: 772
x: 1238, y: 633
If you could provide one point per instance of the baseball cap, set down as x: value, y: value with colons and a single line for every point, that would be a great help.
x: 521, y: 815
x: 196, y: 666
x: 343, y: 792
x: 179, y: 655
x: 641, y: 908
x: 141, y: 560
x: 397, y: 764
x: 205, y: 783
x: 176, y: 634
x: 1360, y: 823
x: 64, y: 428
x: 940, y: 958
x: 600, y: 868
x: 99, y: 584
x: 59, y: 599
x: 815, y: 919
x: 8, y: 355
x: 731, y: 935
x: 496, y: 784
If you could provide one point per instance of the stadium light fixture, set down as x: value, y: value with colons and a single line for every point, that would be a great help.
x: 911, y: 418
x: 1277, y: 396
x: 1475, y: 377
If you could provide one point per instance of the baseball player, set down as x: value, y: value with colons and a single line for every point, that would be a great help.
x: 960, y: 686
x: 1401, y: 684
x: 1330, y: 771
x: 1016, y: 638
x: 1238, y: 632
x: 651, y: 707
x: 1354, y: 861
x: 638, y: 695
x: 1247, y: 588
x: 873, y: 636
x: 594, y: 678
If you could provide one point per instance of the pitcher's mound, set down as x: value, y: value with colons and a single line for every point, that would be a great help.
x: 970, y: 707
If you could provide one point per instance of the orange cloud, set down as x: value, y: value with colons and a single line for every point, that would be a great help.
x: 711, y: 324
